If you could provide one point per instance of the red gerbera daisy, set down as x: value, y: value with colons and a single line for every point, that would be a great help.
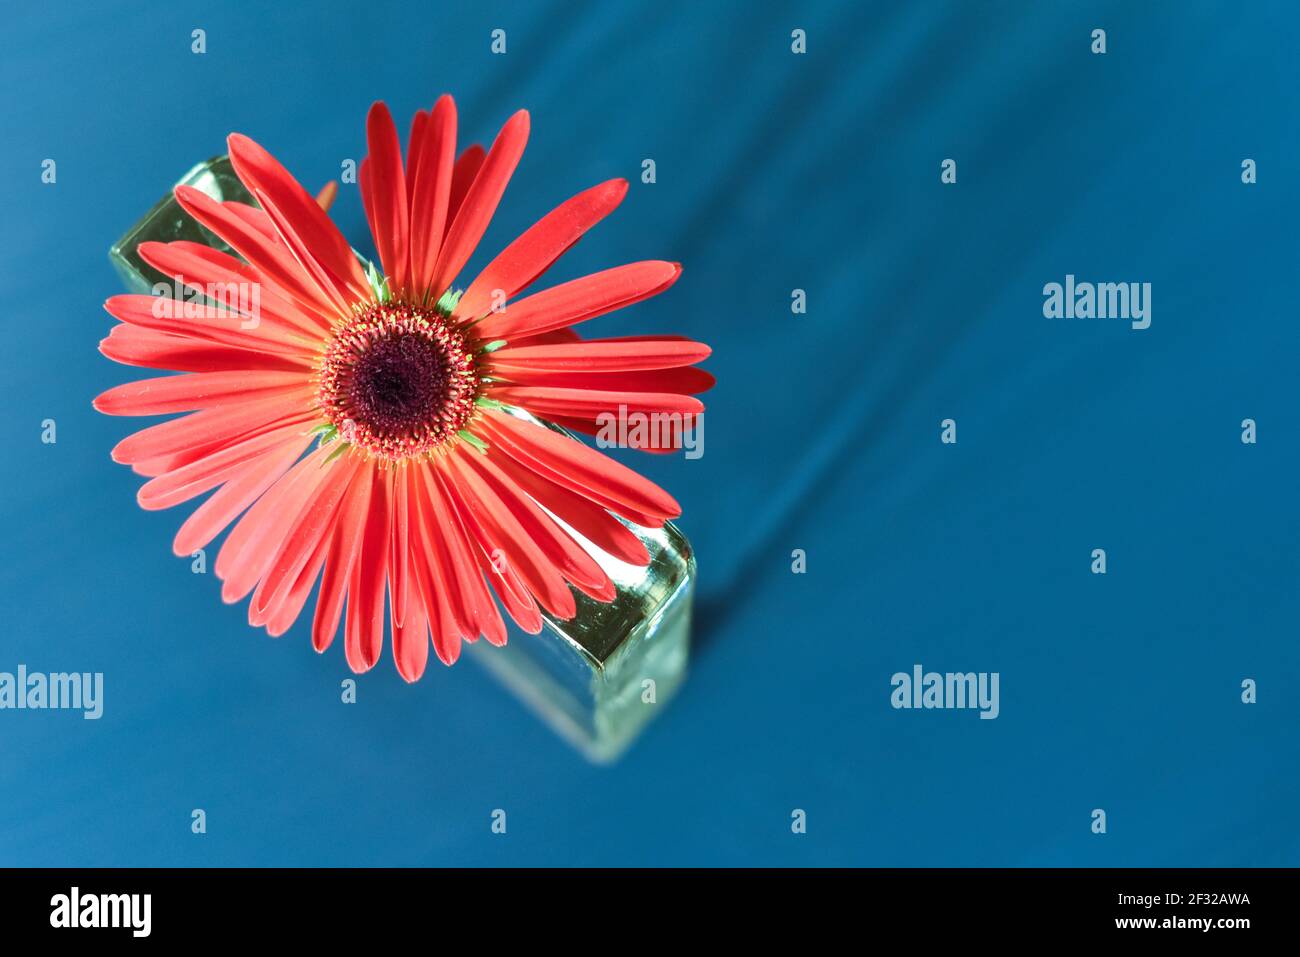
x: 422, y: 483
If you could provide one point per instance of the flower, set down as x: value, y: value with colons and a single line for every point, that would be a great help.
x: 423, y: 483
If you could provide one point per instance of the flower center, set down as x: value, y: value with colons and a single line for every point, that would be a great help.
x: 397, y: 380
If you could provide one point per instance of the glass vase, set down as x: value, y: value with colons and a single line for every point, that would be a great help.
x: 596, y: 679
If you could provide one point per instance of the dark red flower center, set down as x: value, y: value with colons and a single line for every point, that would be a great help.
x: 397, y: 380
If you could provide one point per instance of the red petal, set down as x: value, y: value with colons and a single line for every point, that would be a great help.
x: 440, y: 606
x: 152, y: 468
x: 672, y: 430
x: 510, y: 539
x: 411, y: 635
x: 221, y: 423
x: 335, y: 289
x: 414, y: 148
x: 200, y: 265
x: 566, y: 334
x: 281, y: 617
x: 256, y: 539
x: 520, y: 263
x: 254, y: 217
x: 603, y: 355
x: 569, y: 463
x: 271, y: 259
x: 345, y: 545
x: 687, y: 380
x: 242, y: 328
x: 518, y: 602
x: 195, y: 478
x: 457, y: 570
x: 363, y: 639
x: 315, y: 519
x: 590, y: 403
x: 399, y: 540
x: 229, y: 501
x: 560, y: 549
x: 579, y: 300
x: 450, y: 614
x: 433, y: 153
x: 261, y: 172
x: 199, y: 390
x: 366, y: 187
x: 411, y: 643
x: 462, y: 177
x: 582, y: 515
x: 137, y: 346
x: 325, y: 198
x: 480, y: 201
x: 388, y: 210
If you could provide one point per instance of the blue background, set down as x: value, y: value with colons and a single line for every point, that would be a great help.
x: 775, y: 171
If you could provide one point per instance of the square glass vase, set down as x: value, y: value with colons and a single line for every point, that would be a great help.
x: 596, y: 679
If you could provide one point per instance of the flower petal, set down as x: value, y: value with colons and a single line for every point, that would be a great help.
x: 399, y: 543
x: 285, y: 612
x: 572, y: 465
x: 450, y: 617
x: 334, y: 289
x: 315, y: 519
x: 230, y: 501
x: 662, y: 439
x: 518, y: 602
x: 271, y: 259
x: 199, y: 390
x: 561, y: 551
x: 328, y: 193
x: 480, y: 201
x: 255, y: 540
x: 510, y: 540
x: 387, y: 210
x: 687, y: 380
x: 262, y: 172
x: 432, y: 155
x: 630, y: 354
x: 456, y: 571
x: 462, y: 178
x: 202, y: 475
x: 582, y: 515
x: 345, y: 546
x: 411, y: 643
x: 519, y: 264
x: 224, y: 422
x: 579, y: 300
x: 242, y: 327
x: 200, y: 265
x: 584, y: 403
x: 136, y: 346
x: 363, y: 639
x: 253, y: 217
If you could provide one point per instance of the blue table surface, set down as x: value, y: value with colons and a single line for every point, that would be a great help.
x: 775, y: 171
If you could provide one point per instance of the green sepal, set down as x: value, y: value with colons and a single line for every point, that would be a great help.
x: 447, y: 302
x: 378, y: 283
x: 343, y: 447
x: 473, y: 440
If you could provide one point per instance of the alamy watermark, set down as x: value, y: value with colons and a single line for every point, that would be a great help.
x: 72, y: 691
x: 75, y: 909
x: 952, y: 689
x: 651, y: 430
x: 214, y: 300
x: 1103, y: 300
